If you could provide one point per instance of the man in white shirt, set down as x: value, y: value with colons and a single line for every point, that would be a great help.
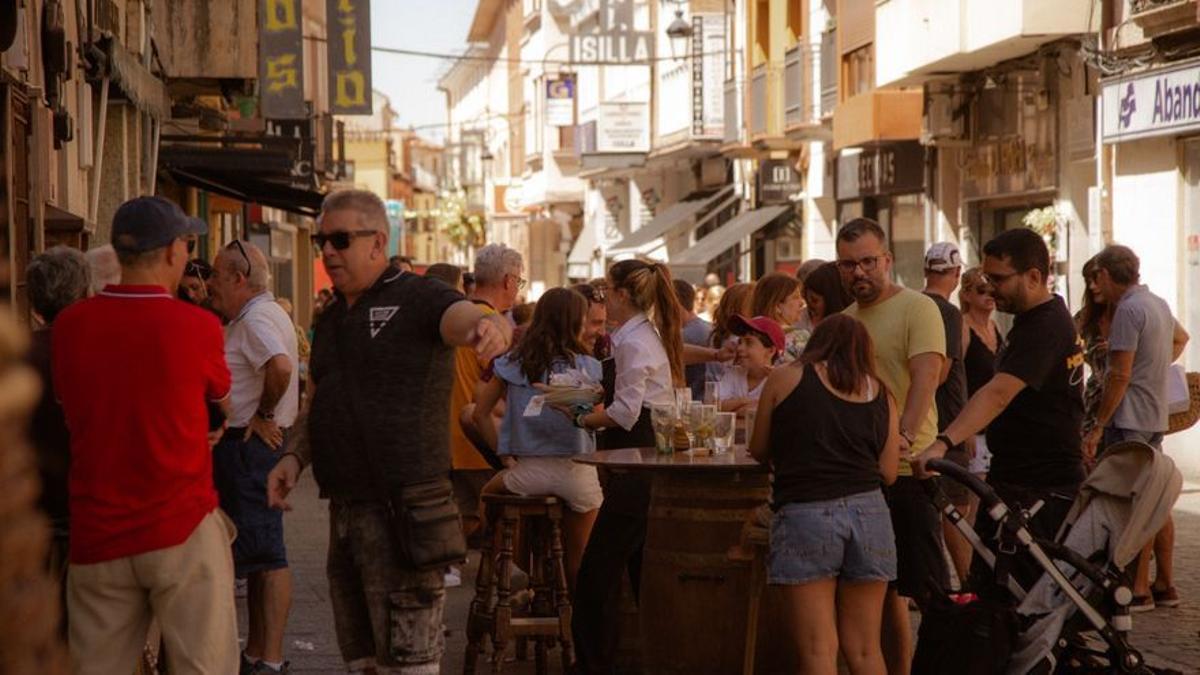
x: 262, y: 355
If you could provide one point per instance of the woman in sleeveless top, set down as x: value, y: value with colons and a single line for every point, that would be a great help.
x: 982, y: 337
x: 647, y: 365
x: 1093, y: 322
x: 830, y: 431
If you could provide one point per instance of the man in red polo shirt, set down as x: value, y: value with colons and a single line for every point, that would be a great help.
x: 134, y: 368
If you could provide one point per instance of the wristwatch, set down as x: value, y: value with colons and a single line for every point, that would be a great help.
x: 579, y: 420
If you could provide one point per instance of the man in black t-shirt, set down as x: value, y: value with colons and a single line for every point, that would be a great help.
x: 1033, y: 406
x: 375, y: 424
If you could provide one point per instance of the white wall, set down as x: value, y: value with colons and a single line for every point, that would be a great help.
x: 1146, y: 198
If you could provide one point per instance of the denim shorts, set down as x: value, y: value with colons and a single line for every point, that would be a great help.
x: 240, y: 469
x: 848, y: 538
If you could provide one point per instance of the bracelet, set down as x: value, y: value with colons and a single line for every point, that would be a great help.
x: 579, y: 420
x: 908, y: 436
x: 946, y: 440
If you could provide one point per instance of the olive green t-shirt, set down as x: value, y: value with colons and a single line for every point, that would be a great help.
x: 901, y: 327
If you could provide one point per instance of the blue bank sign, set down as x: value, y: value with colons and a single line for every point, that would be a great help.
x: 1154, y: 103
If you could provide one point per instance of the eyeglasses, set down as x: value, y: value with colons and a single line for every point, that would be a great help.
x: 995, y: 280
x: 340, y: 239
x: 520, y: 281
x: 867, y: 264
x: 236, y: 243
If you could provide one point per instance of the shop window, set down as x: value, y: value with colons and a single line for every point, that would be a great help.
x: 789, y: 248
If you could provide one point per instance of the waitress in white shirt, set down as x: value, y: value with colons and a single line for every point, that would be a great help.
x: 647, y: 365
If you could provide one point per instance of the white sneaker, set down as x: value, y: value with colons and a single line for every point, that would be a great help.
x: 453, y: 577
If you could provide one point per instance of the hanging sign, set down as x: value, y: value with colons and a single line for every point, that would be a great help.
x: 623, y: 127
x: 349, y: 52
x: 1154, y: 103
x: 280, y: 60
x: 560, y: 101
x: 616, y: 42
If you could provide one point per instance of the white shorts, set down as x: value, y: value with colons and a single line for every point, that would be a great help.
x: 982, y: 461
x: 574, y: 483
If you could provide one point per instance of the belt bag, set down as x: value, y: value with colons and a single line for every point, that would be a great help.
x: 426, y: 521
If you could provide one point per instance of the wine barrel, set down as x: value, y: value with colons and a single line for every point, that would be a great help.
x: 694, y: 599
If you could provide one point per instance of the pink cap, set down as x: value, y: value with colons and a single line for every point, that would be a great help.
x: 740, y: 325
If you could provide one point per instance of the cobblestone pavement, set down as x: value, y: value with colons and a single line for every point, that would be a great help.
x: 1169, y: 637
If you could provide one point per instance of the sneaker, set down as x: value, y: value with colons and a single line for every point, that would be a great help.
x: 1168, y: 597
x: 1142, y: 603
x: 247, y: 666
x: 261, y: 668
x: 453, y: 577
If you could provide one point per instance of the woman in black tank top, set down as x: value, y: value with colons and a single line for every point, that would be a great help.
x: 830, y: 431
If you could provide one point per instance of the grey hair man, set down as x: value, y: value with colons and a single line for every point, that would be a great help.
x: 498, y: 276
x: 55, y: 280
x: 133, y: 368
x: 263, y: 357
x: 1143, y: 340
x: 374, y: 429
x: 104, y: 266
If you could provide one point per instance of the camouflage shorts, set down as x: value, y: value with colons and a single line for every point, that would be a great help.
x: 387, y: 615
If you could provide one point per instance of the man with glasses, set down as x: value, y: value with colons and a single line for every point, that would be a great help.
x: 133, y: 368
x: 498, y: 281
x: 263, y: 357
x: 1033, y: 407
x: 376, y: 428
x: 910, y: 346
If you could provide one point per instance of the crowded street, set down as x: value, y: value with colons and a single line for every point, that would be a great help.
x: 600, y: 337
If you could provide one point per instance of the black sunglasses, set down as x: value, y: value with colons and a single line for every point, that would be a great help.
x: 340, y: 239
x: 236, y: 243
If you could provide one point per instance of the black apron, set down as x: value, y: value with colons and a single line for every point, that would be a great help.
x: 626, y: 493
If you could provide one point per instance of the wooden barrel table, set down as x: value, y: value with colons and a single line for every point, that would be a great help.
x: 695, y: 604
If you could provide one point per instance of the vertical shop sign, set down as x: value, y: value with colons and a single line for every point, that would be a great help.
x: 280, y: 60
x: 349, y: 52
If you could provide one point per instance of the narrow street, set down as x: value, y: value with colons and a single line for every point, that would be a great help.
x: 1168, y: 637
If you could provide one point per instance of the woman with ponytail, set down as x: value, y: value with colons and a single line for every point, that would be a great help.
x: 647, y: 365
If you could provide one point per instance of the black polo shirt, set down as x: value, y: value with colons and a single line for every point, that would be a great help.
x: 380, y: 416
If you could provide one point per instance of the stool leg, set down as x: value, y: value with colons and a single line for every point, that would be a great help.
x: 479, y: 615
x: 502, y: 626
x: 563, y: 595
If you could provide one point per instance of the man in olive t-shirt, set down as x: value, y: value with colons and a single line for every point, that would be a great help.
x: 910, y: 344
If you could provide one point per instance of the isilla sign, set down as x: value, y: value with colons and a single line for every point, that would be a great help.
x: 1163, y: 101
x: 616, y: 42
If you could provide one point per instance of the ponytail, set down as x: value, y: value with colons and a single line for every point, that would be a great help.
x: 668, y: 317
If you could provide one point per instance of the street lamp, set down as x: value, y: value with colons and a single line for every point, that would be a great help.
x: 680, y: 28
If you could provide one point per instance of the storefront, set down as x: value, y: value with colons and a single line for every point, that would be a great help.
x: 887, y: 183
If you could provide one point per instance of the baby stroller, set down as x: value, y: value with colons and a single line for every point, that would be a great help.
x: 1075, y: 618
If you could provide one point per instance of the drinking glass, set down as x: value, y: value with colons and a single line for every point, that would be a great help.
x: 662, y: 418
x: 700, y: 425
x: 710, y: 393
x: 751, y: 412
x: 723, y: 430
x: 683, y: 399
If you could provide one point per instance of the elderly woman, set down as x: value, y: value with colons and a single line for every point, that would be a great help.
x: 55, y: 279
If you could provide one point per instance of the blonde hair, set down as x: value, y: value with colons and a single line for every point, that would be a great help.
x: 651, y: 291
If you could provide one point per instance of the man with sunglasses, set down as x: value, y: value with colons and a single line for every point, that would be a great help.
x: 376, y: 428
x: 262, y: 354
x: 133, y: 368
x: 1032, y: 407
x: 910, y: 345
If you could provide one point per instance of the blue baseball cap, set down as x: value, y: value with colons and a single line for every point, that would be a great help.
x: 147, y: 223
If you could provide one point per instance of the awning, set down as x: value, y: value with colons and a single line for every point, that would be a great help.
x: 670, y: 218
x: 583, y: 254
x: 144, y: 90
x: 249, y: 189
x: 723, y: 238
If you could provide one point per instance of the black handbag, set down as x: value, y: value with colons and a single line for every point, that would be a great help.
x: 426, y: 521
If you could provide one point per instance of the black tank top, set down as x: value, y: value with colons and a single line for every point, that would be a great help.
x: 980, y: 362
x: 824, y: 447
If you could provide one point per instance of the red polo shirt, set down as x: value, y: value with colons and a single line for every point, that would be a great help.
x: 133, y: 368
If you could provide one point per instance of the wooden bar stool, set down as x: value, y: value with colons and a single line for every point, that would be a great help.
x: 491, y: 612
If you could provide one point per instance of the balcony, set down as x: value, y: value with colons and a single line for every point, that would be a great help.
x: 878, y: 115
x: 1163, y: 17
x: 758, y: 101
x: 923, y: 39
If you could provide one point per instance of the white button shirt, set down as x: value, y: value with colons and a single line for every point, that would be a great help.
x: 643, y: 371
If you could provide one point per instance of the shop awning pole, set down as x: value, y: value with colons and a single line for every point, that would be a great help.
x: 98, y: 150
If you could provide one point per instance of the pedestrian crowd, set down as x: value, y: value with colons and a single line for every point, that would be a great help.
x: 182, y: 404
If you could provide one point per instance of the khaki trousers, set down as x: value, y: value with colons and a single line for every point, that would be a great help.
x: 187, y: 588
